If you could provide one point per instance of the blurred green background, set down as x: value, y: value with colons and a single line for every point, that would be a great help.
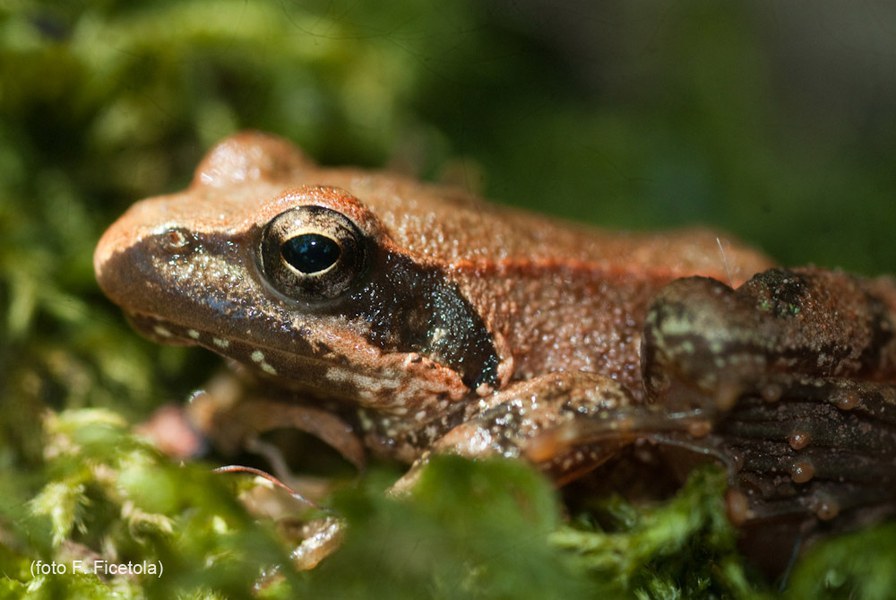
x: 774, y: 121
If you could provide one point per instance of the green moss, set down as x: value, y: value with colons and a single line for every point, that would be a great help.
x: 858, y: 566
x: 469, y: 531
x: 684, y: 548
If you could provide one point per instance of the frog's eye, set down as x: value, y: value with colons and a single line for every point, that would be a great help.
x: 312, y: 253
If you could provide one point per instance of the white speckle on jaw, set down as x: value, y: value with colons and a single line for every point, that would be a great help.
x: 257, y: 357
x: 161, y: 331
x: 221, y: 343
x: 389, y: 391
x: 420, y: 415
x: 193, y: 334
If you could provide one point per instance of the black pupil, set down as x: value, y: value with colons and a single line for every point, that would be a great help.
x: 310, y: 252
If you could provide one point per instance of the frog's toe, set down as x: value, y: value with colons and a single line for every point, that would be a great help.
x: 818, y: 449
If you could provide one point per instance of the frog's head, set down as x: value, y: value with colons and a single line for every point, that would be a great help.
x: 300, y: 282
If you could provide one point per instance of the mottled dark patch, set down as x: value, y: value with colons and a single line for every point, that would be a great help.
x: 418, y: 437
x: 748, y: 318
x: 412, y: 308
x: 780, y: 292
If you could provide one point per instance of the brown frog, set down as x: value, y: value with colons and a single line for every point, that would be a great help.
x: 405, y: 318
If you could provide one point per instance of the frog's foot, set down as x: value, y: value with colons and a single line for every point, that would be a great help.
x: 797, y: 368
x: 320, y: 536
x: 320, y: 539
x: 565, y: 423
x: 824, y: 447
x: 819, y: 459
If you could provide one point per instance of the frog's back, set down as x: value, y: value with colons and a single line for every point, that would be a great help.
x: 450, y: 227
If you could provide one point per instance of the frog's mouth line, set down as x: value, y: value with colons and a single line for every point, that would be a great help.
x: 164, y: 331
x: 323, y: 378
x: 263, y: 359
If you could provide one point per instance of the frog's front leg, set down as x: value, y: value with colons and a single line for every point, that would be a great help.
x: 798, y: 367
x: 232, y: 412
x: 566, y: 423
